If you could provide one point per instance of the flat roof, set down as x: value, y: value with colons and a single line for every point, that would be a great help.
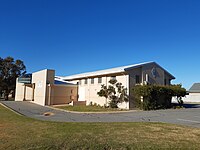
x: 59, y: 81
x: 116, y: 70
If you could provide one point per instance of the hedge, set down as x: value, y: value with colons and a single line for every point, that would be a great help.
x: 152, y: 97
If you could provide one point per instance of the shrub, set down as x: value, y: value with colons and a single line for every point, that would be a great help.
x: 115, y: 92
x: 90, y: 104
x: 151, y: 97
x: 95, y: 104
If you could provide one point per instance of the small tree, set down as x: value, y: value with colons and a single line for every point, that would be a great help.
x: 115, y: 92
x: 157, y: 96
x: 9, y: 71
x: 179, y: 92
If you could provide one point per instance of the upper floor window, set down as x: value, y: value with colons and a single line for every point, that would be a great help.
x: 113, y: 78
x: 137, y: 79
x: 100, y: 80
x: 92, y: 81
x: 86, y: 81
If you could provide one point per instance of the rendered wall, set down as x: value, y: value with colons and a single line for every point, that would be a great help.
x: 142, y: 71
x: 88, y: 92
x: 62, y: 94
x: 160, y: 74
x: 19, y: 92
x: 50, y: 75
x: 168, y: 79
x: 132, y: 81
x: 45, y: 91
x: 40, y: 79
x: 192, y: 98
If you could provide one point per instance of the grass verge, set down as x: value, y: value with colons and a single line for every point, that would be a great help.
x: 88, y: 108
x: 19, y: 132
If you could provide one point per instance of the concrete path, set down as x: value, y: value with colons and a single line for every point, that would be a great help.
x: 188, y: 117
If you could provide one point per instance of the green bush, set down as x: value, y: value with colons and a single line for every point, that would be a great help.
x: 115, y: 92
x: 157, y: 96
x: 113, y: 104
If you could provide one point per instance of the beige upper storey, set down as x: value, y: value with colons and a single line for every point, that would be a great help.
x: 90, y: 83
x: 156, y: 74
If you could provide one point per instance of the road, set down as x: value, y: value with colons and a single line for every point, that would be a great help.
x: 188, y: 117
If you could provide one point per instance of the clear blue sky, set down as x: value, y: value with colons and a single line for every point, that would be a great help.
x: 84, y: 35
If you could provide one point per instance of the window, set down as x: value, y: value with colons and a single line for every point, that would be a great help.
x: 100, y: 80
x: 113, y: 78
x: 92, y: 81
x: 85, y: 81
x: 165, y: 82
x: 79, y: 82
x: 137, y: 79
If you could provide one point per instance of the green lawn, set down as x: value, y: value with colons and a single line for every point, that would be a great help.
x: 88, y: 108
x: 19, y: 132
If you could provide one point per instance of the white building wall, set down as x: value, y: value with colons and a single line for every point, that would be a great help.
x: 88, y: 92
x: 191, y: 98
x: 19, y: 92
x: 40, y: 79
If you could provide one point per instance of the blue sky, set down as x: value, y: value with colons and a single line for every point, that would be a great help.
x: 85, y: 35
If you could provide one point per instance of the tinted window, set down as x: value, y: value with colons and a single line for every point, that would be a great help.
x: 92, y: 81
x: 99, y: 80
x: 137, y: 79
x: 85, y: 81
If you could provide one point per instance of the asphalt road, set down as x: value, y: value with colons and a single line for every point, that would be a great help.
x: 188, y: 116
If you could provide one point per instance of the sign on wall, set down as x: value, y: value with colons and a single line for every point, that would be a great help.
x: 153, y: 72
x: 39, y: 84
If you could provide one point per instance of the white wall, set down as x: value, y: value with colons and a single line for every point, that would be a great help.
x: 19, y: 92
x: 41, y: 79
x: 61, y: 94
x: 88, y: 92
x: 192, y: 97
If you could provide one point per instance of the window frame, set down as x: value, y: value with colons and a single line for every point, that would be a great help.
x: 86, y: 81
x: 113, y: 78
x: 92, y: 81
x: 99, y: 79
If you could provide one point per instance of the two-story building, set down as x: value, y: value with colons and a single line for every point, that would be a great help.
x: 44, y: 88
x: 90, y: 83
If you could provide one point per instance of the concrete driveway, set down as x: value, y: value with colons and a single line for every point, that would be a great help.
x: 188, y: 117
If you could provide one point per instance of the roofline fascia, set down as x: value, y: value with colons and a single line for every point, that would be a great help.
x: 165, y: 70
x: 129, y: 68
x: 93, y: 76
